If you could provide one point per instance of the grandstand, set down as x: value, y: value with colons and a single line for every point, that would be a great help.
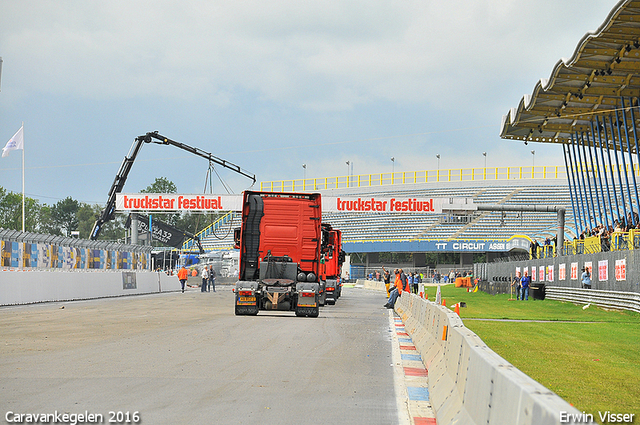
x: 368, y: 229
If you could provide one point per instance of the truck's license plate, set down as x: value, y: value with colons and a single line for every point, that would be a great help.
x: 247, y: 299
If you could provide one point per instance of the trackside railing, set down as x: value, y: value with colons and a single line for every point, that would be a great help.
x: 413, y: 177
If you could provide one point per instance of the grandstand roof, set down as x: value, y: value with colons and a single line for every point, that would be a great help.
x: 604, y: 67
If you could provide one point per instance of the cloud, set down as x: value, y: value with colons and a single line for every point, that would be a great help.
x: 320, y: 55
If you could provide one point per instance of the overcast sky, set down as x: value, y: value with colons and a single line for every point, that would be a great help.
x: 271, y: 85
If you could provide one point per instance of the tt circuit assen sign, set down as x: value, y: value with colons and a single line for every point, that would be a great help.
x: 210, y: 203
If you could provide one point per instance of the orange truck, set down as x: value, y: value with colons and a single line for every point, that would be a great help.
x: 331, y: 262
x: 280, y: 253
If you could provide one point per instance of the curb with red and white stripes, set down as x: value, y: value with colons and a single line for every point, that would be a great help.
x: 412, y: 389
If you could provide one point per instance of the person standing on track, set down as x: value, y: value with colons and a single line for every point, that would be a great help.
x: 212, y: 279
x: 183, y: 274
x: 205, y: 279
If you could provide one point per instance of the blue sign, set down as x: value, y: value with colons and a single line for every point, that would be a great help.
x: 475, y: 245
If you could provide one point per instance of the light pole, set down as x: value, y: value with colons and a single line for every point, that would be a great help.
x: 393, y: 164
x: 484, y: 172
x: 305, y: 170
x: 348, y: 182
x: 438, y: 174
x: 533, y: 163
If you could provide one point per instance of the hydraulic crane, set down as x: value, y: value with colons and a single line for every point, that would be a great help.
x: 152, y: 137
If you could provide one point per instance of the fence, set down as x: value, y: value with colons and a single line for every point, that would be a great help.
x: 26, y: 250
x: 413, y: 177
x: 610, y: 271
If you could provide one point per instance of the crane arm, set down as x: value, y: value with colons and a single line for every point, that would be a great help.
x: 118, y: 183
x: 159, y: 139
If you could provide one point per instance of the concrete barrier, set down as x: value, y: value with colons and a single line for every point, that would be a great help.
x: 34, y: 286
x: 371, y: 284
x: 468, y: 382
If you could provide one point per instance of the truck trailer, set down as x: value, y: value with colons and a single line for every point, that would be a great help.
x: 280, y: 252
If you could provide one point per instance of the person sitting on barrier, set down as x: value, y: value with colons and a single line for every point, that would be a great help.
x: 524, y: 290
x: 586, y: 278
x: 395, y: 293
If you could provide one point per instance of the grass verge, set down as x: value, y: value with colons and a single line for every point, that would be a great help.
x: 590, y: 357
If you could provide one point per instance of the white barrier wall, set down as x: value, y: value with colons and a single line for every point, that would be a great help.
x: 371, y: 284
x: 468, y: 382
x: 32, y: 286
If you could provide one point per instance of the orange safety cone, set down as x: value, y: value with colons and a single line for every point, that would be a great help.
x: 457, y: 309
x: 421, y: 296
x: 444, y: 302
x: 426, y: 296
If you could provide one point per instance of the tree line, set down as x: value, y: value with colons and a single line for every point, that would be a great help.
x: 69, y: 215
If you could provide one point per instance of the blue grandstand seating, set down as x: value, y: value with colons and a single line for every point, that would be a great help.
x: 484, y: 224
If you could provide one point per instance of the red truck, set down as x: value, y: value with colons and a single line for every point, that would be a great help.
x: 280, y: 251
x: 333, y: 257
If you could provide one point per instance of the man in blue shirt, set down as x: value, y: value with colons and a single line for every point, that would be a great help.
x: 524, y: 286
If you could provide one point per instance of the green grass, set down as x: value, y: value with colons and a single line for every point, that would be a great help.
x: 595, y: 366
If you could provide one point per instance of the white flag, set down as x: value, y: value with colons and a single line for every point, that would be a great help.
x: 16, y: 142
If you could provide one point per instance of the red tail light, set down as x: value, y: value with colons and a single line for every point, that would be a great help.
x: 307, y: 294
x: 246, y: 293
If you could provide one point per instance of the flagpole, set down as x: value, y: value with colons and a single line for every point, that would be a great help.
x: 22, y: 176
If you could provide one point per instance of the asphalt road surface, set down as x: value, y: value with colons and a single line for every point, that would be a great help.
x: 186, y: 358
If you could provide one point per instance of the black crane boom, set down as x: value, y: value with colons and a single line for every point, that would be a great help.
x: 118, y: 183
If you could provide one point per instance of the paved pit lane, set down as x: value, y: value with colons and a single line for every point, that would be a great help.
x: 186, y: 358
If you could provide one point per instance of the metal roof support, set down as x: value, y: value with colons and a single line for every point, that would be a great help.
x: 633, y: 174
x: 624, y: 161
x: 624, y: 202
x: 579, y: 175
x: 613, y: 180
x: 592, y: 212
x: 602, y: 171
x: 576, y: 186
x: 594, y: 170
x: 635, y: 137
x: 571, y: 191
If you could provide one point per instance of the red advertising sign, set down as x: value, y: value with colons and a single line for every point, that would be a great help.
x: 621, y: 269
x: 603, y: 270
x: 562, y: 271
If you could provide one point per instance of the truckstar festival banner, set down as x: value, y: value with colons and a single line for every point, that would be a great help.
x: 206, y: 203
x: 172, y: 202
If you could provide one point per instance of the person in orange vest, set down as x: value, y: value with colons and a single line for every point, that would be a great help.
x: 183, y: 274
x: 393, y: 296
